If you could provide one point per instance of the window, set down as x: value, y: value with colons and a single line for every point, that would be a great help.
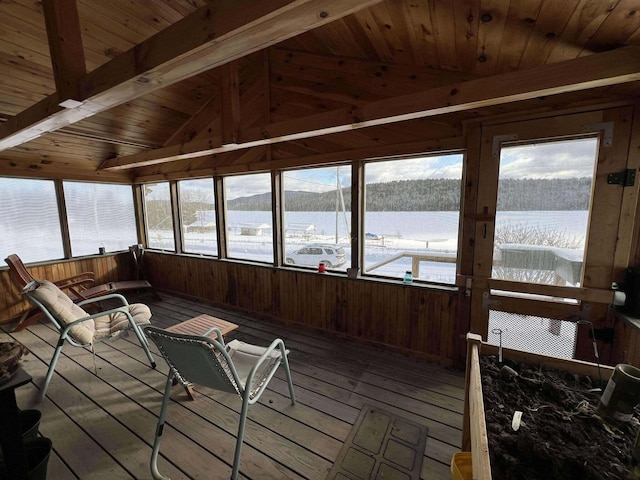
x: 159, y: 216
x: 544, y: 195
x: 317, y: 217
x: 198, y: 216
x: 100, y: 215
x: 29, y: 220
x: 249, y: 229
x: 411, y: 217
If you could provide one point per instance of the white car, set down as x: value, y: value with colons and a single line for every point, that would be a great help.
x: 331, y: 255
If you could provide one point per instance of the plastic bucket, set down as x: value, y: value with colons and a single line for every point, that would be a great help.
x: 29, y: 422
x: 37, y: 451
x: 461, y: 467
x: 622, y: 393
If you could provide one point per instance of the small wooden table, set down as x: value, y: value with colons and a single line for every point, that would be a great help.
x: 198, y: 326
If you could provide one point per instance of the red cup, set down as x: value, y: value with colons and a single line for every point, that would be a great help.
x: 321, y: 267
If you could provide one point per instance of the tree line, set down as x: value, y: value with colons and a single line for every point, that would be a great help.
x: 434, y: 195
x: 439, y: 195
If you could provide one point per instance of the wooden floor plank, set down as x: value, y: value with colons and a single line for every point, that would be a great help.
x: 112, y: 416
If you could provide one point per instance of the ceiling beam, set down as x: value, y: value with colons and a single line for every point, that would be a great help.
x: 65, y: 46
x: 209, y: 37
x: 603, y: 69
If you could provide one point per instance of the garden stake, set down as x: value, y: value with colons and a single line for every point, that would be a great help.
x: 498, y: 331
x: 595, y: 346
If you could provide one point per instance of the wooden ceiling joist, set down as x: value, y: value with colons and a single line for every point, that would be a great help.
x: 209, y: 37
x: 65, y: 46
x: 609, y: 68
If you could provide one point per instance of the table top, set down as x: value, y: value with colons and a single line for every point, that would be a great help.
x: 202, y: 323
x: 19, y: 378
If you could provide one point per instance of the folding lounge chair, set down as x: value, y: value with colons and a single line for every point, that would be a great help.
x: 236, y: 367
x: 80, y: 287
x: 79, y: 328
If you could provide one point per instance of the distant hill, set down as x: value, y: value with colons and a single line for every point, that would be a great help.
x: 435, y: 195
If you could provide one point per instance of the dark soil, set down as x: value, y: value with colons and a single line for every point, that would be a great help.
x: 560, y: 436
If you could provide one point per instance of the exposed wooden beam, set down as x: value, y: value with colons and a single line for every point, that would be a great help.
x: 209, y: 37
x: 610, y: 68
x: 65, y: 47
x: 257, y: 159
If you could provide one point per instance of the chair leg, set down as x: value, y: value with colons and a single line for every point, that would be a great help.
x: 52, y: 367
x: 285, y: 363
x: 144, y: 344
x: 243, y: 421
x: 159, y: 428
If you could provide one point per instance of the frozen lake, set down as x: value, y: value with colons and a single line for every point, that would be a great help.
x: 429, y: 233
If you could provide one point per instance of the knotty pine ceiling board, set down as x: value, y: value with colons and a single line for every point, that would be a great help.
x: 368, y: 24
x: 620, y: 27
x: 339, y: 40
x: 550, y: 23
x: 493, y: 18
x: 400, y: 16
x: 519, y: 26
x: 391, y: 21
x: 466, y: 20
x: 307, y: 42
x: 584, y: 22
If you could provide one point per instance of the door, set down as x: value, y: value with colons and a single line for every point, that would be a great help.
x: 548, y: 237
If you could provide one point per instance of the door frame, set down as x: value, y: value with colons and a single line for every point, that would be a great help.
x: 609, y: 237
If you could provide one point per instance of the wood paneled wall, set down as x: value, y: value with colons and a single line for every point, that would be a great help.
x: 106, y: 268
x: 416, y: 320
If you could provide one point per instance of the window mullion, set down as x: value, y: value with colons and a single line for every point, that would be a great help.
x: 64, y: 223
x: 357, y: 213
x: 221, y: 217
x: 277, y: 212
x: 176, y: 217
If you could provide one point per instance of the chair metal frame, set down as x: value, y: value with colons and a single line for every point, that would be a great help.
x: 201, y: 360
x: 65, y: 329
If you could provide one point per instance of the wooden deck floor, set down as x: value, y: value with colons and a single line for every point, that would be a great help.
x: 102, y: 426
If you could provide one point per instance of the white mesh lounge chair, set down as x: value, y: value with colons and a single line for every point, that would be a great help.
x: 236, y: 367
x: 79, y: 328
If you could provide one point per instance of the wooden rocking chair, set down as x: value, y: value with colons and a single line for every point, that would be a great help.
x: 79, y: 287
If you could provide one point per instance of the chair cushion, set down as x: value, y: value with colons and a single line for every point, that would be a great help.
x: 65, y: 311
x: 107, y: 325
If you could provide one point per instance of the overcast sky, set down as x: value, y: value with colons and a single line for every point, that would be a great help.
x: 564, y: 159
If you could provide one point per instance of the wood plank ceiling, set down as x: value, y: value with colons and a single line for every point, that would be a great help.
x: 175, y: 88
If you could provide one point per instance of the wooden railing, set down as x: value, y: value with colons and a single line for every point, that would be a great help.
x: 474, y: 429
x: 416, y: 258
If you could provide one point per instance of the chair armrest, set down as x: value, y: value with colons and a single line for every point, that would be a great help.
x: 82, y: 279
x: 277, y: 343
x: 218, y: 333
x: 104, y: 297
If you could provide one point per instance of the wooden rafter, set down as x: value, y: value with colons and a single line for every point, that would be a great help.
x: 610, y: 68
x: 65, y: 47
x: 209, y: 37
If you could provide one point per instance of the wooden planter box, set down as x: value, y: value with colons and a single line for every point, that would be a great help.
x: 474, y: 429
